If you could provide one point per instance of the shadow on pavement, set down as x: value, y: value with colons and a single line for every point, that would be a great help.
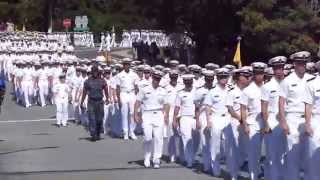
x: 83, y: 170
x: 29, y: 149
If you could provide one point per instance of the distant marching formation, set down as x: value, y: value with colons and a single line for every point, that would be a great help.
x: 108, y: 40
x: 223, y: 113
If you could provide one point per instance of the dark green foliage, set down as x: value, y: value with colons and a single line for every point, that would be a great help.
x: 267, y: 27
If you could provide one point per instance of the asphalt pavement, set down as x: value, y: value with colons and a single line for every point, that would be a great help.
x: 32, y: 148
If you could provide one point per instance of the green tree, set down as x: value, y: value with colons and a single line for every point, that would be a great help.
x: 278, y: 27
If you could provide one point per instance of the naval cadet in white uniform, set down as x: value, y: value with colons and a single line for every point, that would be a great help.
x: 151, y: 100
x: 201, y: 120
x: 291, y: 112
x: 312, y: 125
x: 186, y: 123
x: 251, y: 118
x: 273, y: 134
x: 126, y: 90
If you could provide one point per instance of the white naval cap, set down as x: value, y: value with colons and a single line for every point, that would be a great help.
x: 126, y: 60
x: 212, y: 66
x: 288, y: 66
x: 208, y: 73
x: 118, y: 66
x: 269, y: 71
x: 194, y: 68
x: 302, y: 56
x: 182, y: 66
x: 139, y: 67
x: 187, y: 77
x: 222, y: 72
x: 159, y: 67
x: 173, y: 73
x: 37, y: 63
x: 258, y: 66
x: 278, y: 61
x: 146, y: 68
x: 157, y: 73
x: 310, y: 66
x: 243, y: 71
x: 107, y: 69
x: 135, y: 63
x: 166, y: 70
x: 229, y: 67
x: 173, y: 62
x: 100, y: 58
x: 317, y: 65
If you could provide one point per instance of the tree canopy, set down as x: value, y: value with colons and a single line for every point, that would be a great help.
x: 268, y: 27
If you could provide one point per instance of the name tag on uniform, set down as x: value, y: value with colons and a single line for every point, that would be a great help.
x: 273, y: 91
x: 293, y: 85
x: 184, y: 96
x: 148, y: 93
x: 216, y: 96
x: 238, y: 97
x: 169, y: 91
x: 318, y: 90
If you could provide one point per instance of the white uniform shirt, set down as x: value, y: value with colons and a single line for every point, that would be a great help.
x: 234, y: 98
x: 312, y: 95
x: 292, y: 88
x: 152, y: 99
x: 61, y: 91
x: 197, y: 83
x: 141, y: 83
x: 217, y: 99
x: 43, y: 74
x: 201, y: 94
x: 127, y: 81
x: 27, y: 74
x: 251, y: 97
x: 186, y: 101
x: 113, y: 82
x: 172, y: 94
x: 270, y: 93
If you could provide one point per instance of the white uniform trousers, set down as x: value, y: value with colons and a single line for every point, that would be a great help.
x: 187, y: 128
x: 106, y: 117
x: 205, y: 143
x: 62, y: 111
x: 254, y: 143
x: 43, y: 91
x: 296, y: 146
x: 27, y: 88
x: 233, y: 155
x: 115, y: 115
x: 275, y: 150
x: 152, y: 124
x: 218, y: 146
x: 171, y: 136
x: 313, y: 159
x: 127, y: 102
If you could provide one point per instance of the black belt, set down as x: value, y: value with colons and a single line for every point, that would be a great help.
x: 95, y: 99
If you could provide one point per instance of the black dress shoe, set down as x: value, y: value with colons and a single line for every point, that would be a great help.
x: 98, y: 137
x: 93, y: 139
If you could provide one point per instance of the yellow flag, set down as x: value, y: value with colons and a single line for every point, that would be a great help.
x: 237, y: 56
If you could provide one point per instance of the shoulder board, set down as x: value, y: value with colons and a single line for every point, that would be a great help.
x: 311, y: 79
x: 232, y: 88
x: 200, y: 87
x: 214, y: 86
